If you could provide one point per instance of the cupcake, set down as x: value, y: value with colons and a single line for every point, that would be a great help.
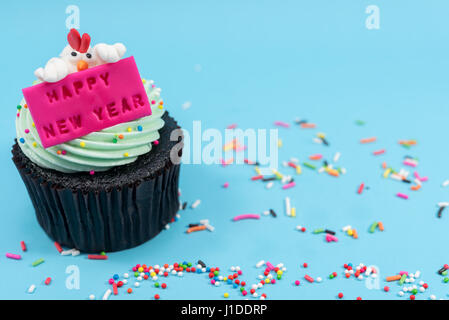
x: 110, y: 189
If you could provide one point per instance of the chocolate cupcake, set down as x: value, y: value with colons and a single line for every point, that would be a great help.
x: 110, y: 189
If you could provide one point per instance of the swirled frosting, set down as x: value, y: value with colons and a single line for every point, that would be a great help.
x: 97, y: 151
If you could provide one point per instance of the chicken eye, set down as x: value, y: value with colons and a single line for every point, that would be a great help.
x: 88, y: 55
x: 73, y: 53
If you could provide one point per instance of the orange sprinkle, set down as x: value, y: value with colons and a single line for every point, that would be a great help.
x: 333, y: 172
x: 380, y: 225
x: 25, y: 106
x: 393, y: 278
x: 121, y: 136
x: 384, y: 165
x: 409, y: 142
x: 308, y: 125
x: 355, y: 234
x: 59, y: 152
x: 368, y: 140
x: 197, y: 228
x: 315, y: 157
x: 415, y: 188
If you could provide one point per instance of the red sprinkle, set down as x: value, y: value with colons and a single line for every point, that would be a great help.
x: 97, y: 257
x: 362, y: 185
x: 47, y: 281
x: 308, y: 278
x: 58, y: 247
x: 23, y: 245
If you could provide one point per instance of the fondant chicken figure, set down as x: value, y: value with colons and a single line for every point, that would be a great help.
x: 78, y: 56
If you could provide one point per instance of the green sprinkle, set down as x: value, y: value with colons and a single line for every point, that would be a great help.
x: 446, y: 280
x: 331, y: 276
x: 373, y: 227
x: 38, y: 262
x: 19, y: 107
x: 317, y: 231
x: 444, y: 273
x: 279, y: 277
x: 114, y: 140
x: 309, y: 165
x: 136, y: 274
x: 360, y: 122
x: 156, y: 284
x: 414, y: 291
x: 102, y: 253
x: 401, y: 282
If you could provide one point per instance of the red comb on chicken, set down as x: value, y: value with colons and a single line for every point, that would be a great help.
x: 78, y: 56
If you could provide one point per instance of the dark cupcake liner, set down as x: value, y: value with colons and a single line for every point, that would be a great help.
x: 122, y: 214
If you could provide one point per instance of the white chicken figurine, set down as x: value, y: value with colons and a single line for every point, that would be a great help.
x: 78, y: 56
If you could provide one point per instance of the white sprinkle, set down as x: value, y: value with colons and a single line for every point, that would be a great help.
x: 260, y: 263
x: 266, y: 213
x: 67, y: 252
x: 343, y: 170
x: 136, y: 284
x: 318, y: 279
x: 445, y: 183
x: 126, y: 275
x: 75, y: 253
x: 287, y: 206
x: 443, y: 204
x: 269, y: 185
x: 91, y: 297
x: 321, y: 170
x: 401, y: 294
x: 186, y: 105
x: 346, y: 228
x: 433, y: 297
x: 195, y: 204
x: 294, y: 160
x: 167, y: 226
x: 204, y: 221
x: 316, y: 140
x: 337, y: 156
x: 107, y: 294
x: 31, y: 288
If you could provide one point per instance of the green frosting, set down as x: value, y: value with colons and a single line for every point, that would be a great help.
x: 97, y: 151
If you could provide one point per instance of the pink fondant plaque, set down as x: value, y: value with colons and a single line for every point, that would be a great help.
x: 87, y: 101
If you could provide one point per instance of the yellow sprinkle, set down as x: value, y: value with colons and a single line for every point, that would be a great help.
x: 160, y: 106
x: 129, y: 129
x: 350, y: 232
x: 126, y: 154
x: 226, y: 295
x: 33, y: 124
x: 34, y: 144
x: 321, y: 135
x: 257, y: 170
x: 279, y: 143
x: 293, y: 213
x: 143, y: 81
x: 267, y: 280
x: 278, y: 174
x: 298, y: 169
x: 387, y: 173
x: 82, y: 144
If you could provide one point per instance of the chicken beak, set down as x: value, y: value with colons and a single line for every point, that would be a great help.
x: 82, y: 65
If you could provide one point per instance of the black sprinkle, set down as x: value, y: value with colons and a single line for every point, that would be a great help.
x: 440, y: 211
x: 325, y: 163
x: 202, y: 264
x: 269, y: 179
x: 406, y: 181
x: 325, y: 141
x: 184, y: 205
x: 301, y: 122
x: 442, y: 270
x: 330, y: 232
x: 273, y: 213
x: 193, y: 225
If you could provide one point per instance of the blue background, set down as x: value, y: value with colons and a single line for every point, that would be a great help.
x: 260, y: 61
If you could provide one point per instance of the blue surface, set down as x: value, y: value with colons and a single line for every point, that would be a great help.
x: 260, y: 61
